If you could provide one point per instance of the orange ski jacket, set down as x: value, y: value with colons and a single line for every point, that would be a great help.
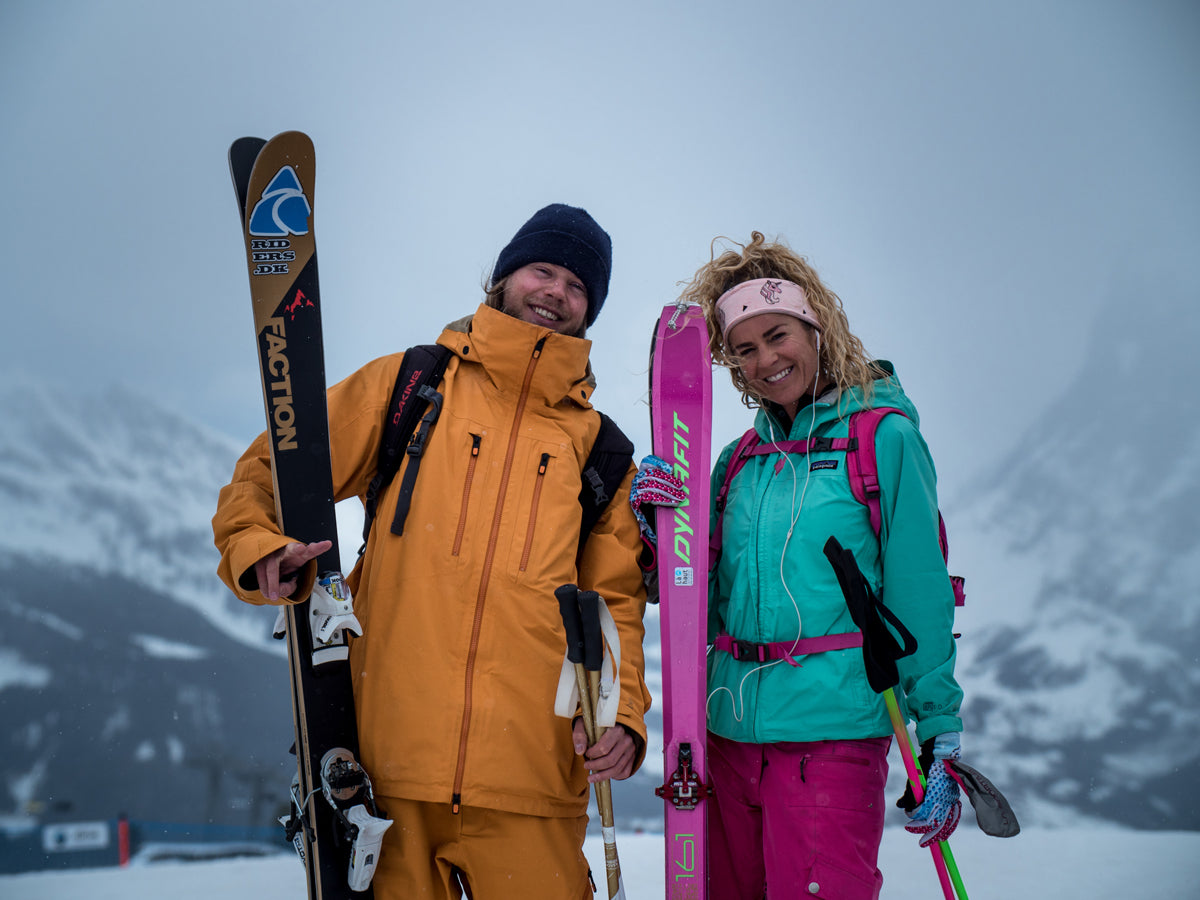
x: 456, y: 671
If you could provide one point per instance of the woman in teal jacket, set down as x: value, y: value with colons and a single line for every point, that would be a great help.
x: 797, y: 738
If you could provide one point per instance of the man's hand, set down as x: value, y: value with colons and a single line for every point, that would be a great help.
x: 278, y: 572
x: 612, y: 757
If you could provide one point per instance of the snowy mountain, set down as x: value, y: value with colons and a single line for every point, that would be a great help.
x: 130, y: 680
x: 1082, y: 551
x: 116, y: 484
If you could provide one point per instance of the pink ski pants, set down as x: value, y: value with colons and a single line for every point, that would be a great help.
x: 796, y: 819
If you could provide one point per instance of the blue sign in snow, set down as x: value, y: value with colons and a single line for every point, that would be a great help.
x: 283, y: 208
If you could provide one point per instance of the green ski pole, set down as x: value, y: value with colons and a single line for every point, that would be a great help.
x: 943, y: 857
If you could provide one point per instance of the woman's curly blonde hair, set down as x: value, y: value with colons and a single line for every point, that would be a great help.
x: 843, y: 359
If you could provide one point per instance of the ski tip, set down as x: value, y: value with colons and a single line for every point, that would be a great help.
x: 243, y: 144
x: 242, y: 154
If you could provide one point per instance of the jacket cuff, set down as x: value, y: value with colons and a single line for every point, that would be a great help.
x: 247, y: 582
x: 639, y: 743
x: 928, y: 729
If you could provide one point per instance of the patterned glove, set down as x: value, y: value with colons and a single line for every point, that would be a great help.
x: 654, y: 485
x: 937, y: 816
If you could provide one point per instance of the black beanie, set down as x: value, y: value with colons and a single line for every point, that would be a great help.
x: 565, y: 236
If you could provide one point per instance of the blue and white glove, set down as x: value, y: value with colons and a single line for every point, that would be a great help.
x: 655, y: 484
x: 937, y: 816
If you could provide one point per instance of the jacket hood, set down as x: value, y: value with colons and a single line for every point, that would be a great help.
x: 837, y: 403
x: 503, y: 345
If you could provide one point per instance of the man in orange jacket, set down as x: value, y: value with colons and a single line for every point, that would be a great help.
x: 456, y: 672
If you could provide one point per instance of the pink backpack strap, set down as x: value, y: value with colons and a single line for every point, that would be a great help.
x: 742, y: 452
x: 751, y: 445
x: 861, y: 464
x: 862, y: 467
x: 800, y: 448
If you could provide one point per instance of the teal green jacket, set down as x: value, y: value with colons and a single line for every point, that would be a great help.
x: 771, y: 586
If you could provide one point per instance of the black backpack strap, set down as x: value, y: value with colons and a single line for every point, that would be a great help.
x: 420, y: 373
x: 606, y: 467
x: 415, y: 451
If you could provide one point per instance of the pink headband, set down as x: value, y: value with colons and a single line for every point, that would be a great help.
x: 763, y: 295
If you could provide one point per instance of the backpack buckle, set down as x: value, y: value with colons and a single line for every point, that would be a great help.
x: 748, y: 650
x: 416, y: 446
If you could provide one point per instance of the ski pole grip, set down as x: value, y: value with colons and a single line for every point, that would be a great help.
x: 568, y: 606
x: 593, y: 642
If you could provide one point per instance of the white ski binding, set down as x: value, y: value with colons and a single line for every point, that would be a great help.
x: 347, y: 788
x: 330, y: 619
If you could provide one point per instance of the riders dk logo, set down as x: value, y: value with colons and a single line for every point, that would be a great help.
x: 283, y: 210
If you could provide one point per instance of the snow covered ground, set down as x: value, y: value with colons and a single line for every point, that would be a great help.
x: 1058, y: 864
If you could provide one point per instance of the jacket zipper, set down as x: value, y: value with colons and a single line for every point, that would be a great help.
x: 484, y: 578
x: 533, y: 510
x: 476, y: 440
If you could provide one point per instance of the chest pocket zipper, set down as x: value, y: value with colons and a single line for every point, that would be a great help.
x: 533, y: 509
x: 476, y: 440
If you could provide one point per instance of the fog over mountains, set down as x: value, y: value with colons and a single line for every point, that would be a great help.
x: 1083, y: 545
x: 131, y: 681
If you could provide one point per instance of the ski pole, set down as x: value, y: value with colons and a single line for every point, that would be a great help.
x: 880, y: 652
x: 585, y: 650
x: 593, y: 658
x: 943, y: 857
x: 568, y: 606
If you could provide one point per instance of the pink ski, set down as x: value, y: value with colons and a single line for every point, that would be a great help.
x: 681, y: 424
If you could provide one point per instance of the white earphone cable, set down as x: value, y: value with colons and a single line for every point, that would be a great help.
x: 739, y: 700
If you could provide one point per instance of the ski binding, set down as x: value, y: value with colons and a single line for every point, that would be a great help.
x: 683, y: 788
x: 330, y: 619
x: 347, y: 788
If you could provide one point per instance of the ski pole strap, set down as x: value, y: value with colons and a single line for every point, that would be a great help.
x: 881, y: 649
x: 786, y: 650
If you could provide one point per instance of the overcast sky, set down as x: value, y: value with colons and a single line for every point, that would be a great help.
x: 975, y: 180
